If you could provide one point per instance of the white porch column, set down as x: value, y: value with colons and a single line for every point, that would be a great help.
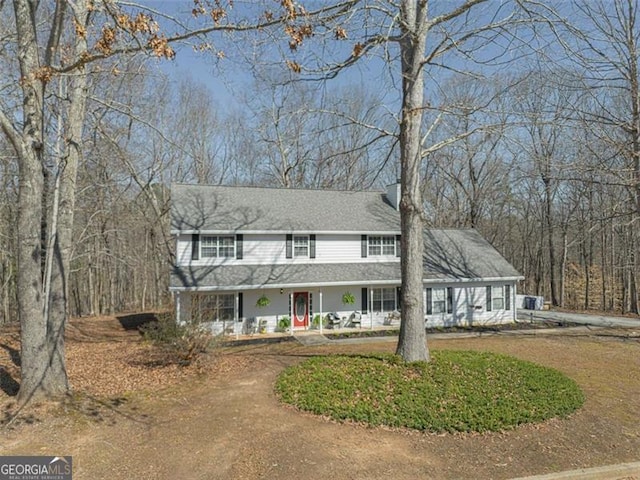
x: 320, y: 298
x: 370, y: 308
x: 178, y: 308
x: 236, y: 309
x: 291, y: 310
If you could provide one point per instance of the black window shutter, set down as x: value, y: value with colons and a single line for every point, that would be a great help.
x: 289, y: 246
x: 429, y: 302
x: 489, y: 298
x: 240, y: 313
x: 239, y: 240
x: 312, y: 246
x: 310, y: 306
x: 507, y: 297
x: 397, y: 245
x: 363, y: 246
x: 449, y: 300
x: 195, y: 246
x: 399, y: 298
x: 364, y: 301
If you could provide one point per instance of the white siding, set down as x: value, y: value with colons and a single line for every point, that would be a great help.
x: 338, y: 248
x: 183, y: 249
x: 264, y: 249
x: 470, y: 306
x: 267, y: 249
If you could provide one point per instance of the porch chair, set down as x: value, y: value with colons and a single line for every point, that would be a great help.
x: 250, y: 326
x: 333, y: 320
x: 355, y: 319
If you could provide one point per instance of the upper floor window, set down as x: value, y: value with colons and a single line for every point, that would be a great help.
x: 382, y: 245
x: 303, y: 246
x: 217, y: 246
x: 300, y: 246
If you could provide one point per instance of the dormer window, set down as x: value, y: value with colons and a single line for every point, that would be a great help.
x: 217, y: 246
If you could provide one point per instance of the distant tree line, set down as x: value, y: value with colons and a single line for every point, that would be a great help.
x: 549, y: 170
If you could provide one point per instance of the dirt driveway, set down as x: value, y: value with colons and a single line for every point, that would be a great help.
x: 224, y: 421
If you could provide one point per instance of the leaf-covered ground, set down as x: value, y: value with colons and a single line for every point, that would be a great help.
x: 222, y: 418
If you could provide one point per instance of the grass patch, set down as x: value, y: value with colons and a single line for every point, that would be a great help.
x: 458, y: 391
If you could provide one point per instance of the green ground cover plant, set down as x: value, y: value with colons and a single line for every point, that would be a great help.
x: 458, y: 391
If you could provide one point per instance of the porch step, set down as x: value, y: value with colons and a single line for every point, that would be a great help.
x: 310, y: 339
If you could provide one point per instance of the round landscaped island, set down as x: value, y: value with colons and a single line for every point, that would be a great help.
x: 457, y: 391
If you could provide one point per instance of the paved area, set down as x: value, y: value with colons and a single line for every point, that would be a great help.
x: 582, y: 318
x: 621, y: 471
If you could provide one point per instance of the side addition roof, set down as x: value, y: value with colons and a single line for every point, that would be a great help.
x: 209, y: 208
x: 458, y: 254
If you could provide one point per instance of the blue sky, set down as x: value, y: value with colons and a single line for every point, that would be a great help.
x: 228, y: 77
x: 370, y: 73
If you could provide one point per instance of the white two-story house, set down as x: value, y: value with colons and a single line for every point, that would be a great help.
x: 248, y: 253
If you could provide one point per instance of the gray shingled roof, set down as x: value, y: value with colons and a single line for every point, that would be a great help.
x: 276, y: 276
x: 450, y: 255
x: 455, y: 254
x: 243, y: 209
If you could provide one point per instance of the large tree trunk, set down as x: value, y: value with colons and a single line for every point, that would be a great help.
x: 63, y: 246
x: 31, y: 185
x: 412, y: 345
x: 43, y: 275
x: 33, y: 351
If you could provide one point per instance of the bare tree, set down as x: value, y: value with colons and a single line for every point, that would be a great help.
x: 467, y: 183
x: 424, y: 37
x: 605, y: 50
x: 546, y: 142
x: 78, y: 35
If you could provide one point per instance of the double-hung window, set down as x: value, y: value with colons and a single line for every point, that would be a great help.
x: 439, y: 297
x: 439, y: 300
x: 384, y: 299
x: 217, y: 246
x: 212, y: 307
x: 301, y: 246
x: 495, y: 298
x: 382, y: 245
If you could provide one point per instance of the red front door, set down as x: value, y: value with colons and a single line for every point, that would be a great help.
x: 301, y: 309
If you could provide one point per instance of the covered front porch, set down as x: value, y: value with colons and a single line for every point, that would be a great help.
x: 289, y: 310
